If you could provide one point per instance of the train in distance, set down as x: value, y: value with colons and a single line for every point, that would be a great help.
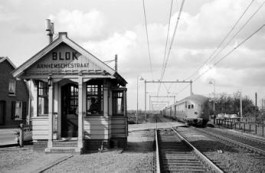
x: 193, y: 110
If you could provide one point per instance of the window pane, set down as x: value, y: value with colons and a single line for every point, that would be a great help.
x: 118, y: 103
x: 94, y: 101
x: 12, y: 87
x: 42, y: 98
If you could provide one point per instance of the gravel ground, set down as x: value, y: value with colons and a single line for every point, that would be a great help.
x: 233, y: 159
x: 13, y: 157
x: 137, y: 157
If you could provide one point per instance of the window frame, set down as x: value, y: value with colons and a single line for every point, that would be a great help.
x: 12, y: 85
x: 95, y: 89
x: 123, y: 105
x: 42, y: 93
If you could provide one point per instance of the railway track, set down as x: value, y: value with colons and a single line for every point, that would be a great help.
x: 177, y: 155
x: 243, y: 141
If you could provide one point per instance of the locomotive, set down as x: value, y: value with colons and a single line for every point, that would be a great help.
x: 193, y: 110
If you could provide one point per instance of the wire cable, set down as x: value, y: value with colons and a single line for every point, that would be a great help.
x: 231, y: 51
x: 226, y: 55
x: 172, y: 40
x: 168, y: 29
x: 171, y: 43
x: 220, y: 44
x: 147, y: 38
x: 165, y: 50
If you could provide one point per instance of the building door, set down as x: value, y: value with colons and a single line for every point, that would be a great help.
x: 69, y: 110
x: 2, y: 112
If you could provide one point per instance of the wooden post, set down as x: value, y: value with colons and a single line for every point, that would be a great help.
x: 263, y: 130
x: 50, y: 102
x: 21, y: 135
x: 80, y: 113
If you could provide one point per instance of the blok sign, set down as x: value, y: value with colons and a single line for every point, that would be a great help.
x: 63, y: 59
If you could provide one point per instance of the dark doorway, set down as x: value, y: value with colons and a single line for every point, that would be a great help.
x: 69, y: 110
x: 2, y: 112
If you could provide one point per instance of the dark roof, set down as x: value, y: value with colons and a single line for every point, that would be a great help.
x: 2, y: 59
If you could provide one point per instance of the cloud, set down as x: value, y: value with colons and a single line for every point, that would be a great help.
x: 6, y: 16
x: 196, y: 38
x: 81, y: 25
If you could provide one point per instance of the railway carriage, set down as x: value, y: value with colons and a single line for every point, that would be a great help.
x: 193, y: 110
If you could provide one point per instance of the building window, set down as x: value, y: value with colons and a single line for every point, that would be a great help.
x: 94, y: 99
x: 18, y: 110
x: 42, y: 89
x: 12, y: 87
x: 118, y: 103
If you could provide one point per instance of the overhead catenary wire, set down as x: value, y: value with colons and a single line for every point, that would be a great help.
x: 147, y: 39
x: 170, y: 46
x: 231, y: 51
x: 226, y: 36
x: 172, y: 40
x: 165, y: 50
x: 226, y: 55
x: 168, y: 29
x: 236, y: 47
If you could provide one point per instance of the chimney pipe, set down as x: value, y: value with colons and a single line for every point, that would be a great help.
x: 50, y: 29
x: 116, y: 62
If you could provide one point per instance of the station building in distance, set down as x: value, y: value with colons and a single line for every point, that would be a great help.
x: 78, y: 102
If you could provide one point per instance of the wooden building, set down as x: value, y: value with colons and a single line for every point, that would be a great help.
x: 79, y: 102
x: 13, y: 96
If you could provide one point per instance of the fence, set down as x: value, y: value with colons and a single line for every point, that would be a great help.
x: 249, y: 127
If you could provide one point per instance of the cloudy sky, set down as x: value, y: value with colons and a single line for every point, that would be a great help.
x: 109, y: 27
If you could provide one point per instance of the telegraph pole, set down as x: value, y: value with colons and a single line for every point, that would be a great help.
x: 159, y: 81
x: 241, y: 111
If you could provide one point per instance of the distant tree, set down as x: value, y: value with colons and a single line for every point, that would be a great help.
x: 231, y: 105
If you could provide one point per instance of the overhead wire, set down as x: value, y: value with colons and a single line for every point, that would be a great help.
x: 168, y: 30
x: 223, y: 40
x: 231, y: 51
x: 241, y: 43
x: 172, y: 40
x: 147, y: 38
x: 171, y: 43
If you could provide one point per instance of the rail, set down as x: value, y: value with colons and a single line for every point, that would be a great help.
x: 238, y: 143
x: 207, y: 161
x: 158, y: 169
x: 203, y: 159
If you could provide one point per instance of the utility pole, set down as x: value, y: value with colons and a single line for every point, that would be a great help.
x: 158, y: 81
x: 165, y: 97
x: 241, y: 111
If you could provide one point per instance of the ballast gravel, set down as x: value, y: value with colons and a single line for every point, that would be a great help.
x: 137, y: 157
